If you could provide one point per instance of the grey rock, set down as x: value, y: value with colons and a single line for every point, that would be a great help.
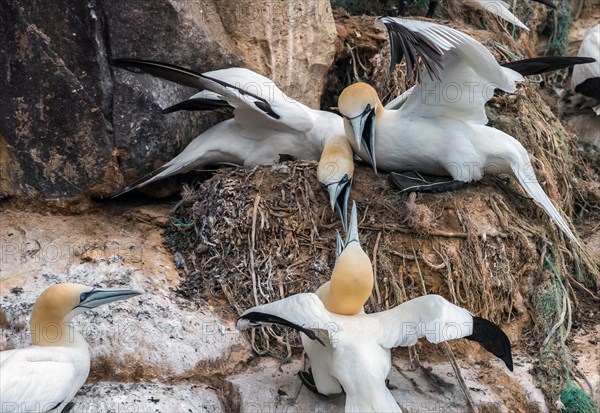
x: 73, y: 125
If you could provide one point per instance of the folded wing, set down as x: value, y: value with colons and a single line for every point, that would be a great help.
x: 32, y: 381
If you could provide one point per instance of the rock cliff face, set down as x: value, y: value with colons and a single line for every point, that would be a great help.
x: 73, y: 125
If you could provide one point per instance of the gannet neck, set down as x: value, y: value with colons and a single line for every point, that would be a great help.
x: 50, y: 323
x: 351, y: 282
x: 336, y: 161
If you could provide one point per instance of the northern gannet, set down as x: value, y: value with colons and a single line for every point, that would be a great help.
x: 266, y: 124
x: 45, y: 376
x: 586, y: 78
x: 350, y: 350
x: 351, y: 280
x: 439, y: 128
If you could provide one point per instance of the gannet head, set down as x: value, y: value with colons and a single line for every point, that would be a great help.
x: 60, y: 303
x: 352, y: 277
x: 335, y: 171
x: 358, y: 104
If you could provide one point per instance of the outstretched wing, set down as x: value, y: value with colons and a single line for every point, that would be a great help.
x: 460, y: 74
x: 438, y: 320
x: 303, y: 312
x: 252, y: 95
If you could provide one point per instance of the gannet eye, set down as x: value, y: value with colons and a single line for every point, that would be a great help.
x: 83, y: 296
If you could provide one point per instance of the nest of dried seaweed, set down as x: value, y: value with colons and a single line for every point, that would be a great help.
x: 258, y: 235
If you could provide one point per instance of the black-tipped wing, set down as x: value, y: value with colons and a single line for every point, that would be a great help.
x: 257, y: 319
x: 205, y: 100
x: 172, y: 73
x: 438, y: 320
x: 492, y: 338
x: 248, y: 92
x: 539, y: 65
x: 303, y: 312
x: 413, y: 45
x: 547, y: 3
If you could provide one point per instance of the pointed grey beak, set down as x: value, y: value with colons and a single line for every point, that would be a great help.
x: 99, y: 296
x: 358, y: 125
x: 339, y: 244
x: 352, y: 234
x: 363, y: 127
x: 339, y: 194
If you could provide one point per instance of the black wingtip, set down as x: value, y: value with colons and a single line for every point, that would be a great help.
x: 590, y: 87
x: 493, y: 339
x: 198, y: 104
x: 544, y: 64
x: 256, y: 318
x: 418, y: 50
x: 167, y: 71
x: 547, y: 3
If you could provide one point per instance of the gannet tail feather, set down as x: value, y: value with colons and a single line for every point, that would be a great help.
x: 535, y: 191
x: 539, y: 65
x: 159, y: 173
x: 493, y: 339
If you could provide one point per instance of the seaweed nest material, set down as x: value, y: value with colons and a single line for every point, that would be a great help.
x: 256, y: 235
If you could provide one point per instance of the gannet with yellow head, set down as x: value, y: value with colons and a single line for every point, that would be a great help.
x: 350, y: 350
x: 266, y: 124
x: 45, y: 376
x: 335, y: 171
x: 351, y: 280
x: 438, y: 127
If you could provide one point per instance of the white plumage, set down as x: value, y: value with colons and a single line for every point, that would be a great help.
x: 45, y: 376
x: 349, y: 349
x: 586, y: 78
x: 41, y: 378
x: 497, y: 7
x: 356, y: 356
x: 267, y: 122
x: 439, y: 125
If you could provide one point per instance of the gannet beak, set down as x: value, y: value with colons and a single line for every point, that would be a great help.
x: 339, y: 244
x: 339, y: 193
x: 352, y: 234
x: 99, y: 296
x: 363, y: 126
x: 358, y: 125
